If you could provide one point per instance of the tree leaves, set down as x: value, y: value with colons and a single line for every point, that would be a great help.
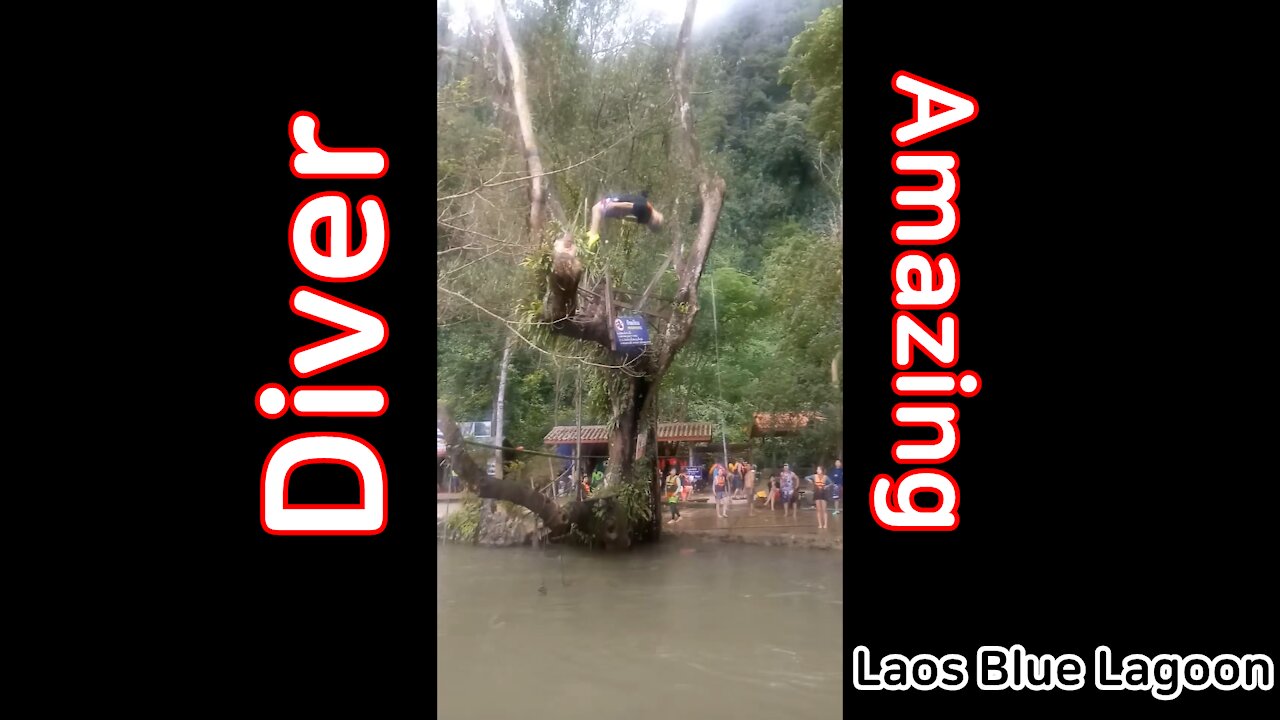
x: 598, y: 84
x: 815, y: 68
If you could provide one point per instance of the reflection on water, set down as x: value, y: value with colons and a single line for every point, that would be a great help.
x: 675, y: 631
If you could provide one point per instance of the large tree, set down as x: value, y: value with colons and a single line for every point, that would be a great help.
x: 580, y: 305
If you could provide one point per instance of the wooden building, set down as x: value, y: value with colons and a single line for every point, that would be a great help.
x: 677, y: 442
x: 764, y: 425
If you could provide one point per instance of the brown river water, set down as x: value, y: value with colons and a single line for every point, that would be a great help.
x: 681, y: 630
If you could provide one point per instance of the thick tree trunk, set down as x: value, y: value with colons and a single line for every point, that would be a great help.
x: 634, y: 437
x: 627, y: 407
x: 632, y: 408
x: 622, y: 438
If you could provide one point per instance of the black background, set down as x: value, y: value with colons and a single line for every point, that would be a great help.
x: 1115, y: 470
x: 230, y: 271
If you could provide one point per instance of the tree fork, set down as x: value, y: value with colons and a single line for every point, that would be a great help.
x: 632, y: 400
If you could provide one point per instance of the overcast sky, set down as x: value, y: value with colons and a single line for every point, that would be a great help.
x: 672, y: 10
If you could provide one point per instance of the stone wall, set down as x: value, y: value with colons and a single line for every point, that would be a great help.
x: 804, y: 540
x: 498, y: 526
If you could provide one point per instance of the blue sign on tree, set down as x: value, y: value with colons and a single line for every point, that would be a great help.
x: 630, y: 331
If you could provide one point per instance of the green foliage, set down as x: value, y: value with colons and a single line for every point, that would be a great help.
x: 601, y: 100
x: 803, y: 279
x: 636, y: 494
x: 812, y: 446
x: 468, y: 122
x: 467, y: 372
x: 632, y: 495
x: 464, y: 523
x: 815, y: 68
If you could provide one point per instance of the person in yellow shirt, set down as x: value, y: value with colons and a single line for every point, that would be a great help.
x: 673, y: 495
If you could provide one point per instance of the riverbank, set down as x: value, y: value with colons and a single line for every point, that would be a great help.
x: 698, y: 521
x: 757, y: 527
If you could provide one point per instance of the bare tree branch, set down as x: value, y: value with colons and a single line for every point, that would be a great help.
x: 531, y: 177
x: 622, y: 45
x: 457, y: 248
x: 557, y: 519
x: 684, y: 109
x: 526, y: 123
x: 626, y: 367
x: 464, y: 266
x: 473, y: 232
x: 711, y: 189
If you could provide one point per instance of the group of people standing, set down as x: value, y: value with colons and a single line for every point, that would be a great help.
x: 571, y: 483
x: 737, y: 480
x: 730, y: 483
x: 782, y: 488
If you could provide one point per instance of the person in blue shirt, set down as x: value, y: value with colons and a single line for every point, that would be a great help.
x: 788, y: 484
x: 837, y: 486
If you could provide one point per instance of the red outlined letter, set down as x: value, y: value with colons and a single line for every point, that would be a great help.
x: 311, y: 159
x: 272, y: 401
x: 929, y: 96
x: 967, y: 383
x: 923, y: 283
x: 339, y: 401
x: 941, y: 348
x: 893, y: 503
x: 940, y: 197
x: 366, y: 332
x: 369, y: 517
x: 339, y: 261
x: 944, y: 417
x: 322, y: 401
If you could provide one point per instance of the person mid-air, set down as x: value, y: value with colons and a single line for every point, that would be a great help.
x: 620, y: 207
